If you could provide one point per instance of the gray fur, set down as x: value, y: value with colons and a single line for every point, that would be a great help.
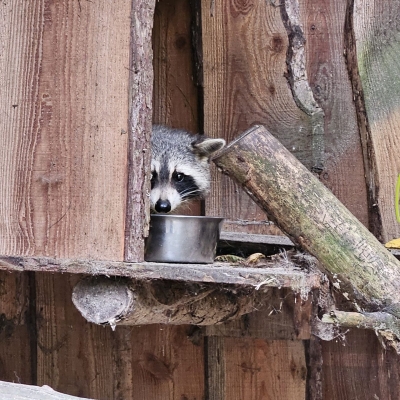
x: 175, y: 151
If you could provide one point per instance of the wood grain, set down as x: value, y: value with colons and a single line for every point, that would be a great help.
x: 356, y: 366
x: 17, y: 329
x: 140, y: 126
x: 344, y: 167
x: 377, y: 59
x: 244, y: 52
x: 256, y: 369
x: 166, y: 364
x: 175, y: 96
x: 356, y: 263
x: 73, y: 356
x: 64, y: 79
x: 274, y: 273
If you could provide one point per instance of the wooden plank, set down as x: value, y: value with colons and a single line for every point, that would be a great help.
x: 344, y: 166
x: 244, y: 52
x: 284, y: 274
x: 175, y: 96
x: 256, y: 369
x: 73, y: 356
x: 140, y: 125
x: 63, y: 144
x: 17, y: 329
x: 357, y: 366
x: 377, y: 52
x: 173, y: 369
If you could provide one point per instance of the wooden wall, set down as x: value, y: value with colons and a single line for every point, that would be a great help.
x: 65, y: 113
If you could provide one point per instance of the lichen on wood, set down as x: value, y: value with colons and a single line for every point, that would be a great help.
x: 357, y: 264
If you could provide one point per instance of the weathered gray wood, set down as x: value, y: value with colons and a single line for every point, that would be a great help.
x: 359, y: 266
x: 109, y: 301
x: 140, y: 122
x: 273, y: 273
x: 16, y: 391
x: 382, y: 322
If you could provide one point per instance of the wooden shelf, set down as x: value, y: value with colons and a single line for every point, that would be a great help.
x: 277, y: 273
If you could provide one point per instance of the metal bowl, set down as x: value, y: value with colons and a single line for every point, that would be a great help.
x: 182, y: 239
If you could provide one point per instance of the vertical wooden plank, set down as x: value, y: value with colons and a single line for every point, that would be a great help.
x: 356, y: 366
x: 166, y: 364
x: 17, y: 331
x: 258, y: 369
x: 244, y: 53
x: 175, y: 96
x: 377, y: 53
x: 64, y: 72
x: 73, y: 356
x: 323, y: 25
x: 175, y: 93
x: 140, y: 113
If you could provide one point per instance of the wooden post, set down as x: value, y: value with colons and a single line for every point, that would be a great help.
x: 140, y: 121
x: 358, y: 265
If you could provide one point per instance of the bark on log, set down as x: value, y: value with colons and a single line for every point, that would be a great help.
x: 378, y: 321
x: 358, y: 265
x: 123, y: 302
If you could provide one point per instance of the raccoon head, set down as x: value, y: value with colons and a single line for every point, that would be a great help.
x: 180, y: 167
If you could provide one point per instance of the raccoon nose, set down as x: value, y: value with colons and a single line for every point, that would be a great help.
x: 163, y: 206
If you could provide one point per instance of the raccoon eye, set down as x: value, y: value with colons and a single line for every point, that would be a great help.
x: 179, y: 177
x: 153, y: 178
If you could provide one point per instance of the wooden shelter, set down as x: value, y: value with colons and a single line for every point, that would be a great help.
x: 81, y: 83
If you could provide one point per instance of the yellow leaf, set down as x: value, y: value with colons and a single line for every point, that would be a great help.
x: 393, y: 244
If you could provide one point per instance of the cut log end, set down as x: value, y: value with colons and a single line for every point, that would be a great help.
x: 101, y: 300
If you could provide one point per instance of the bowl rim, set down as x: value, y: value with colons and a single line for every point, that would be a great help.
x: 198, y: 217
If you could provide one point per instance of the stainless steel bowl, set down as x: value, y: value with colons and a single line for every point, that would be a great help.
x: 182, y: 239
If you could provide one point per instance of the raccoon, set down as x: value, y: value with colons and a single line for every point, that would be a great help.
x: 180, y: 167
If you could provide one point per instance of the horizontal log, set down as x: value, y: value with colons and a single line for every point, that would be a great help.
x: 110, y: 301
x: 16, y: 391
x: 300, y: 274
x: 384, y: 323
x: 375, y: 320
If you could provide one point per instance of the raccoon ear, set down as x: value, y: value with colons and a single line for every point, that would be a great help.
x: 206, y: 147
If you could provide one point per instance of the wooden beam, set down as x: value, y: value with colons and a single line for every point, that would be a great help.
x: 275, y: 273
x: 140, y: 123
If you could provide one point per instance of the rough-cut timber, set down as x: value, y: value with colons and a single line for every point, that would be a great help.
x: 343, y: 173
x: 298, y: 80
x: 121, y: 302
x: 63, y: 147
x: 359, y: 266
x: 373, y: 61
x: 15, y: 391
x: 244, y: 62
x: 140, y: 122
x: 278, y: 273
